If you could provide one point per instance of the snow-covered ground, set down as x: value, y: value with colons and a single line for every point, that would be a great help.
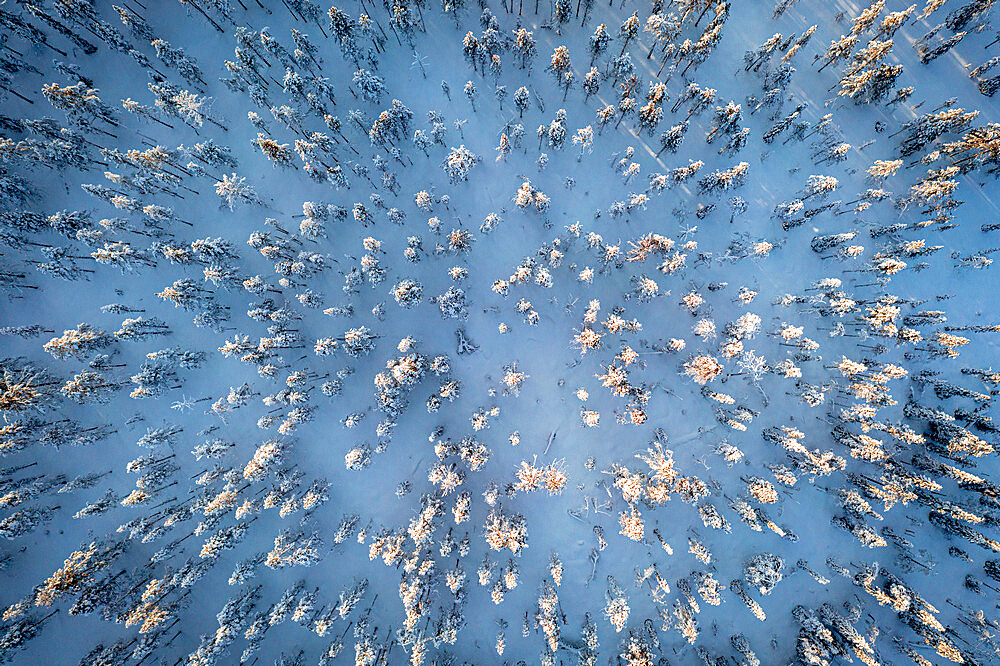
x: 607, y: 291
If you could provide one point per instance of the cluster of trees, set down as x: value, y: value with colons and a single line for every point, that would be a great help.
x: 902, y: 418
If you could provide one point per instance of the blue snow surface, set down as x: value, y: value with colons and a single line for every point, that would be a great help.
x: 559, y: 333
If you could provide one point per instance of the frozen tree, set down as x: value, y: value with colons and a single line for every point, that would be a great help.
x: 459, y: 163
x: 233, y: 189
